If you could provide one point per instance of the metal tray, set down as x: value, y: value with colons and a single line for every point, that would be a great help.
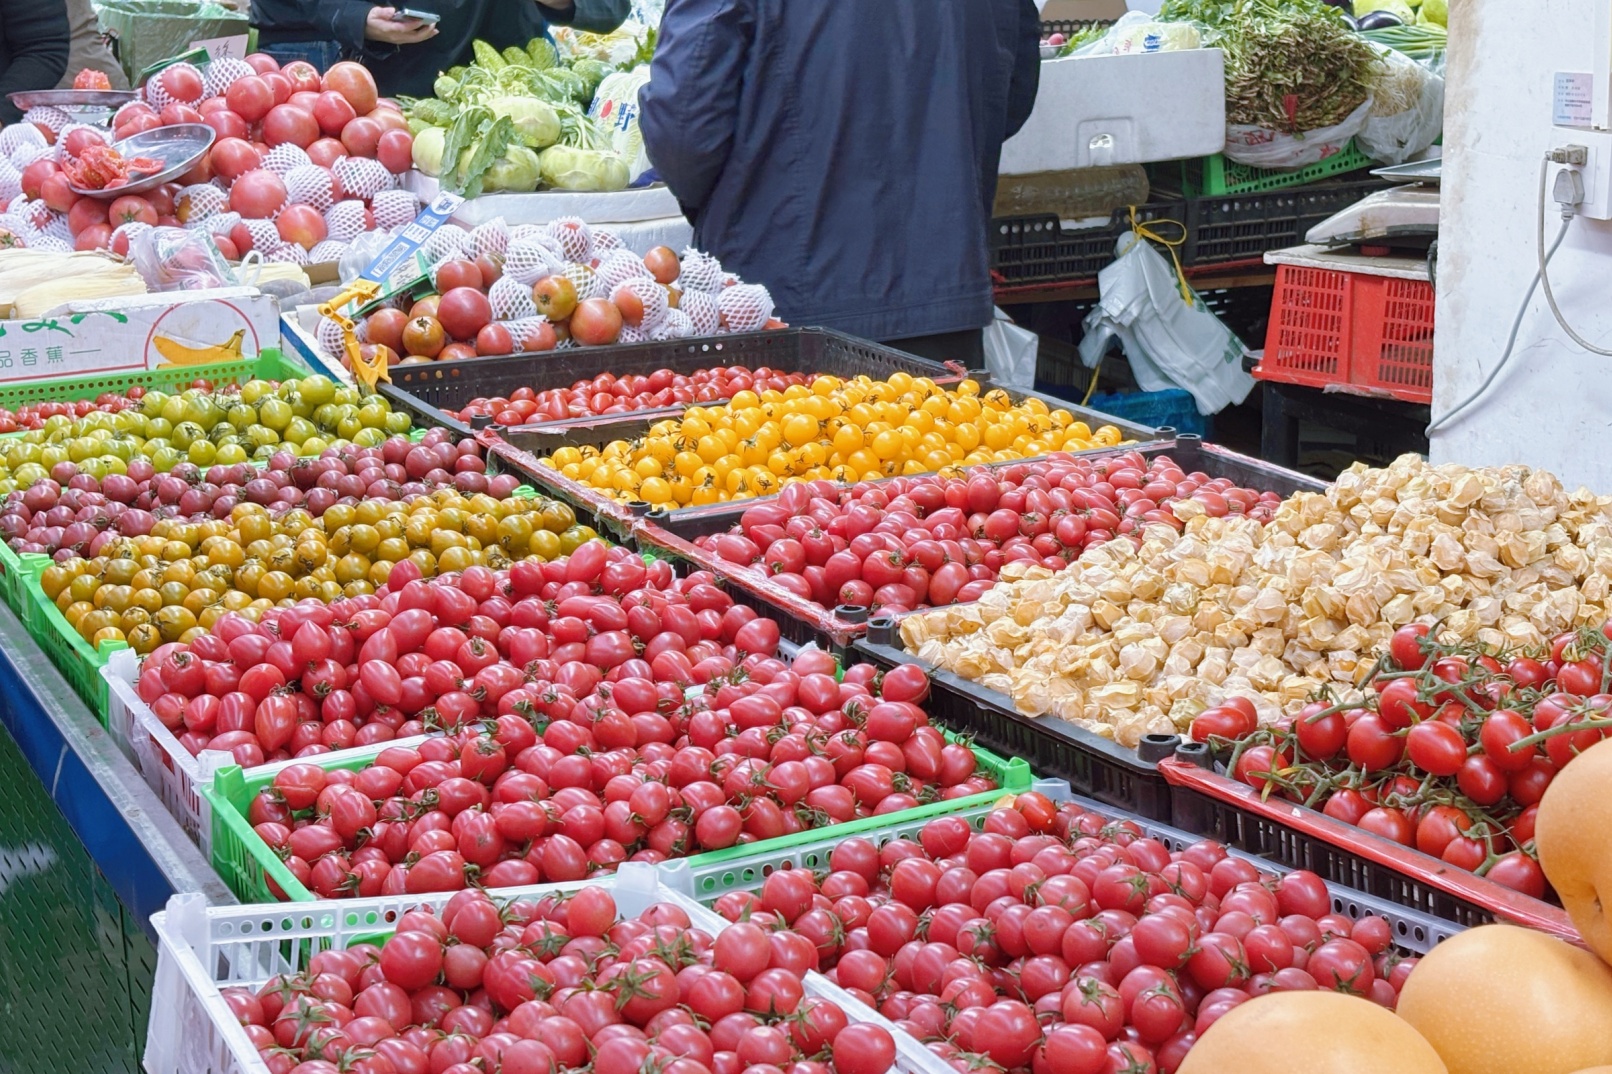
x: 179, y: 147
x: 73, y: 100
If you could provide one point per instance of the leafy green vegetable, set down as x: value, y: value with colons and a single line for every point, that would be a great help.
x: 513, y: 55
x: 541, y: 49
x: 537, y: 125
x: 518, y: 170
x: 1291, y: 65
x: 428, y: 146
x: 487, y: 56
x: 567, y: 168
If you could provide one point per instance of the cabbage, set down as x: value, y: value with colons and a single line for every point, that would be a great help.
x: 568, y: 168
x: 517, y: 170
x: 428, y: 147
x: 1393, y: 7
x: 536, y: 123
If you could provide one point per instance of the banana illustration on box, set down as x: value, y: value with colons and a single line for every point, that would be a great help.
x: 176, y: 353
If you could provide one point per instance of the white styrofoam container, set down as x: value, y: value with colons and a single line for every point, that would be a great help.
x: 167, y: 767
x: 202, y: 949
x: 1093, y: 111
x: 541, y: 206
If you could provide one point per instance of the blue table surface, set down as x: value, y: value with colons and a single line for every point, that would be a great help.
x: 139, y: 848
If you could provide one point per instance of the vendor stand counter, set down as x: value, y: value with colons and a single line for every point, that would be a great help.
x: 87, y: 854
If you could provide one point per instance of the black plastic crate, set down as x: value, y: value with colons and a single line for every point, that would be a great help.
x: 1188, y: 450
x: 1093, y: 765
x: 1242, y: 227
x: 536, y: 441
x: 1039, y: 249
x: 1264, y: 837
x: 1071, y: 27
x: 425, y: 389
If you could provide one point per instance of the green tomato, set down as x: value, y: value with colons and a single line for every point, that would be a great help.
x: 164, y: 459
x: 276, y: 414
x: 254, y: 390
x: 317, y: 390
x: 397, y: 423
x: 241, y: 415
x: 230, y: 454
x: 202, y: 452
x: 369, y: 438
x: 153, y: 403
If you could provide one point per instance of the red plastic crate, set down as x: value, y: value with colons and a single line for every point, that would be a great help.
x: 1209, y: 804
x: 1370, y: 335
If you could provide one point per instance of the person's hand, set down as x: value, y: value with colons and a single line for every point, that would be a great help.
x: 384, y: 24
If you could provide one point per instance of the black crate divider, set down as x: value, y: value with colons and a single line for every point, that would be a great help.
x: 1187, y: 449
x: 1243, y: 830
x: 1039, y: 249
x: 1094, y: 766
x: 427, y: 390
x: 1243, y: 227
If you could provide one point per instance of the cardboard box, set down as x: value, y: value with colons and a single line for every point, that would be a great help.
x: 1082, y: 10
x: 117, y: 335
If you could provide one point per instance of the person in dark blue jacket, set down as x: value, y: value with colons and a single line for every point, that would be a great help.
x: 844, y: 152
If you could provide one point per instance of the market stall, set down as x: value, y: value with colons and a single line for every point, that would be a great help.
x: 452, y: 625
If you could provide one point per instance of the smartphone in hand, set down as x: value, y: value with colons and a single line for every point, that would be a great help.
x: 423, y: 16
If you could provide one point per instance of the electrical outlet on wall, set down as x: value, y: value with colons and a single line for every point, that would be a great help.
x: 1581, y: 171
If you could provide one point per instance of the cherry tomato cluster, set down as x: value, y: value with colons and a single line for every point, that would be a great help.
x: 34, y: 415
x: 558, y: 983
x: 1059, y: 941
x: 1449, y: 751
x: 438, y: 653
x: 608, y: 394
x: 551, y: 783
x: 916, y: 542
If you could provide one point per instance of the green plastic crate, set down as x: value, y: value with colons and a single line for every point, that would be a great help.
x: 245, y: 863
x: 270, y: 364
x: 16, y: 568
x: 79, y: 662
x: 1216, y: 175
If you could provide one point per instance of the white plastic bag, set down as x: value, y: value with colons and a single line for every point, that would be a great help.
x: 1261, y: 147
x: 1137, y: 31
x: 1407, y: 113
x: 176, y: 259
x: 1010, y: 353
x: 1169, y: 342
x: 615, y: 110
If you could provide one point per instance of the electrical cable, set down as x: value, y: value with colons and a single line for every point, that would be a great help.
x: 1545, y: 257
x: 1544, y: 274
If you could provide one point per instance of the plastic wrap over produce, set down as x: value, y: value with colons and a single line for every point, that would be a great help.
x: 1132, y: 640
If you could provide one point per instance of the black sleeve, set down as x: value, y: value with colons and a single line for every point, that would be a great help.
x: 37, y: 39
x: 594, y: 16
x: 345, y: 20
x: 1026, y: 67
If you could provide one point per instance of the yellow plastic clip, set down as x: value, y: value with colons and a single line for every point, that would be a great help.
x: 367, y: 373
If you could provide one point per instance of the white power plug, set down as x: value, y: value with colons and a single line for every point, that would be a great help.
x: 1583, y: 165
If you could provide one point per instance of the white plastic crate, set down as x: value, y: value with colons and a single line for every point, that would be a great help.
x: 171, y: 770
x: 202, y: 949
x: 1413, y: 930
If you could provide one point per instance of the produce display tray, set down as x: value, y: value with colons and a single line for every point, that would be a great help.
x: 1216, y: 175
x: 521, y: 448
x: 1415, y: 932
x: 167, y: 767
x: 246, y: 864
x: 1212, y: 805
x: 203, y: 949
x: 429, y: 390
x: 670, y: 535
x: 79, y: 662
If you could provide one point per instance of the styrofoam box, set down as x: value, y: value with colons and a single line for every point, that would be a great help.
x: 1097, y: 110
x: 167, y: 767
x: 202, y: 949
x: 601, y: 208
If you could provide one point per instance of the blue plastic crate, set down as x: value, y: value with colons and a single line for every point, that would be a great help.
x: 1172, y: 406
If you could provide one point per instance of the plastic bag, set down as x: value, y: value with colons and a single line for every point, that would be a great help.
x: 144, y: 32
x: 1137, y: 31
x: 361, y: 252
x: 1261, y: 147
x: 178, y: 259
x: 1169, y: 342
x: 615, y: 111
x: 1407, y: 113
x: 1010, y: 353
